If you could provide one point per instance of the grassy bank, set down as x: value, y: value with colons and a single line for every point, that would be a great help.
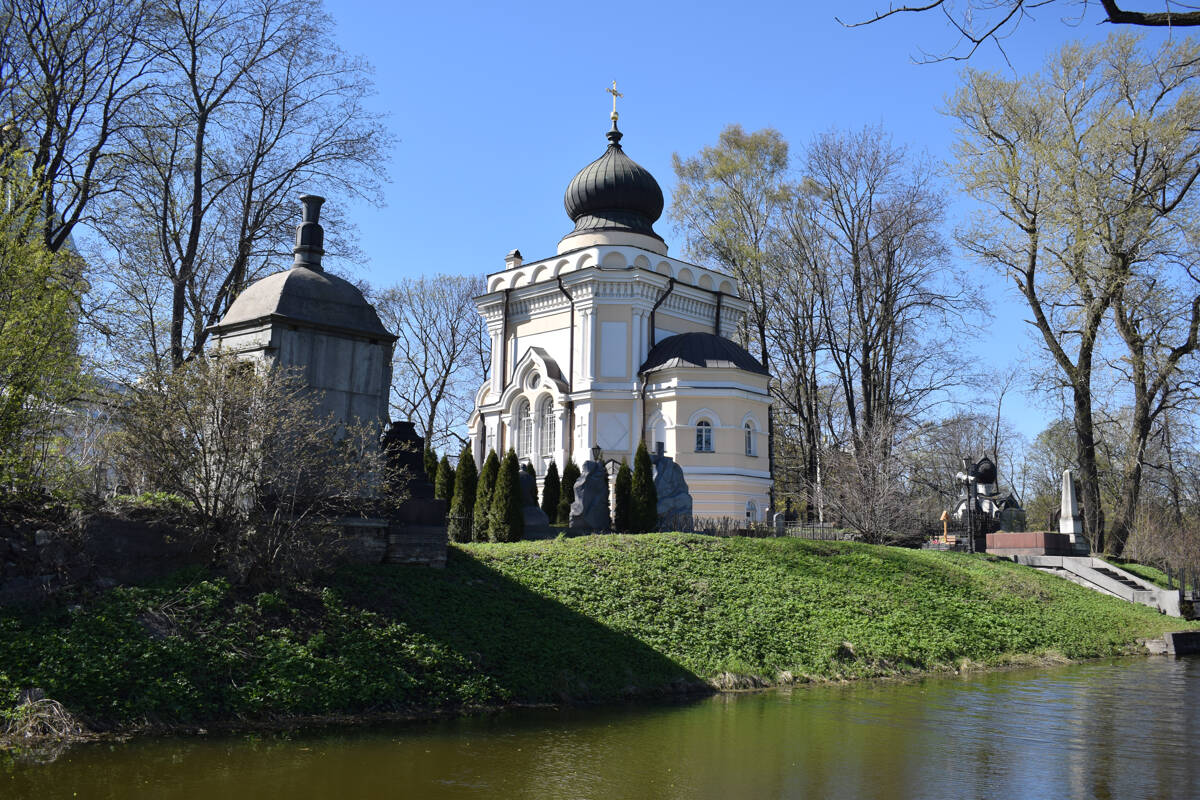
x: 596, y: 618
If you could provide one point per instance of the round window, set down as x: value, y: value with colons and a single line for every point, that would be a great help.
x: 534, y: 381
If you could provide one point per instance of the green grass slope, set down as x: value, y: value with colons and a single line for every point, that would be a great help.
x: 594, y: 618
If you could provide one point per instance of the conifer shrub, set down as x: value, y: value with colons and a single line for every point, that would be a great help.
x: 550, y: 492
x: 483, y: 496
x: 443, y: 484
x: 643, y: 512
x: 505, y: 521
x: 622, y: 497
x: 462, y: 507
x: 566, y: 494
x: 532, y: 499
x: 431, y: 464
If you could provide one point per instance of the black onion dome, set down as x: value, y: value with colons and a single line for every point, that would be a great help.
x: 700, y: 350
x: 614, y: 192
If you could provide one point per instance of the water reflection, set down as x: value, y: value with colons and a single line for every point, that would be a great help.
x: 1120, y: 729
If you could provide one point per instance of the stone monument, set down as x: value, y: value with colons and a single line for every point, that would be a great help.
x: 537, y: 524
x: 590, y: 511
x: 674, y: 500
x: 1069, y: 520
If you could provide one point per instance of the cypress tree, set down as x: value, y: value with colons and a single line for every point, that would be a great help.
x: 623, y: 494
x: 483, y: 496
x: 643, y: 510
x: 550, y: 492
x: 463, y: 505
x: 566, y: 492
x: 431, y: 464
x: 505, y: 522
x: 443, y: 486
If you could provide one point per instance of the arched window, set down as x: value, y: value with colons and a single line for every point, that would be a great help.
x: 750, y: 439
x: 704, y: 443
x: 524, y: 430
x: 549, y: 429
x: 751, y: 511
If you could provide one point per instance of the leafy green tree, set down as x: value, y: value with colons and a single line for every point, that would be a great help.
x: 550, y: 492
x: 623, y: 497
x: 39, y: 308
x: 567, y: 491
x: 462, y: 506
x: 443, y: 485
x: 431, y: 464
x: 505, y: 521
x: 483, y: 496
x: 643, y: 512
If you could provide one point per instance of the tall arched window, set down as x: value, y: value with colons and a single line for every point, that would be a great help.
x: 704, y: 442
x: 750, y: 439
x: 524, y: 430
x: 549, y: 430
x: 751, y: 511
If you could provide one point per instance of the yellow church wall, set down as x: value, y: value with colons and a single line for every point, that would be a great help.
x: 542, y: 324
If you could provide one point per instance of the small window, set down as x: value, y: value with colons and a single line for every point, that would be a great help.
x: 704, y: 443
x: 750, y: 439
x: 751, y: 511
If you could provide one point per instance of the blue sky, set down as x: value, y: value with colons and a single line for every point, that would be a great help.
x: 495, y: 107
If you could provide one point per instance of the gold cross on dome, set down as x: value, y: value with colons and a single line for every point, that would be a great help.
x: 613, y: 91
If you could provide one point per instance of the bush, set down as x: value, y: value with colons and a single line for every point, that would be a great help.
x: 505, y: 521
x: 483, y: 496
x: 431, y: 464
x: 550, y: 492
x: 443, y: 486
x: 567, y: 491
x: 643, y: 512
x: 622, y: 496
x: 463, y: 504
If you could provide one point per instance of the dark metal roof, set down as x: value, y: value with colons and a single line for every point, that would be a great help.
x: 306, y: 296
x: 614, y: 193
x: 700, y: 350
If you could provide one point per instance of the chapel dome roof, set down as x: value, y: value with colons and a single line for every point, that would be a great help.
x: 614, y: 193
x: 306, y: 296
x: 700, y: 350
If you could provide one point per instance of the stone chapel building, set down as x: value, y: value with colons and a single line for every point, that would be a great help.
x: 610, y: 341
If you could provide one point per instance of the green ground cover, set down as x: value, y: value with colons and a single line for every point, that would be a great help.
x: 593, y: 618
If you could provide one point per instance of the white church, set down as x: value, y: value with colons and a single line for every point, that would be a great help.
x: 610, y: 342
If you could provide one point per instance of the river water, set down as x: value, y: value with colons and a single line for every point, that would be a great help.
x: 1121, y: 729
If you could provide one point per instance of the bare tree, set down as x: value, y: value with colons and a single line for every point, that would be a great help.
x: 979, y: 21
x: 885, y: 297
x: 254, y: 105
x: 1087, y: 169
x: 441, y: 356
x: 70, y: 73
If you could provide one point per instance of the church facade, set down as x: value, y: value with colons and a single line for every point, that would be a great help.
x: 611, y: 342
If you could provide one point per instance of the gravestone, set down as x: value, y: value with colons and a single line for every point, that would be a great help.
x: 1069, y: 520
x: 590, y: 511
x: 537, y: 524
x: 674, y: 500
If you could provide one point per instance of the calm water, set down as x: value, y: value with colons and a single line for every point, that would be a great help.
x: 1121, y: 729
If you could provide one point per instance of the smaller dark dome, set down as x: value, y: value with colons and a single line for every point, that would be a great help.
x: 984, y: 470
x: 614, y: 192
x: 700, y: 350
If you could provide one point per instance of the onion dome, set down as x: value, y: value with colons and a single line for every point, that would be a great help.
x: 983, y: 471
x: 614, y: 193
x: 704, y: 350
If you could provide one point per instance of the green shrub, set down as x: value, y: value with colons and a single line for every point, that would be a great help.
x: 622, y: 496
x: 483, y: 497
x: 567, y: 491
x: 431, y: 464
x: 643, y: 514
x: 550, y: 492
x: 443, y: 486
x: 505, y: 521
x: 463, y: 504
